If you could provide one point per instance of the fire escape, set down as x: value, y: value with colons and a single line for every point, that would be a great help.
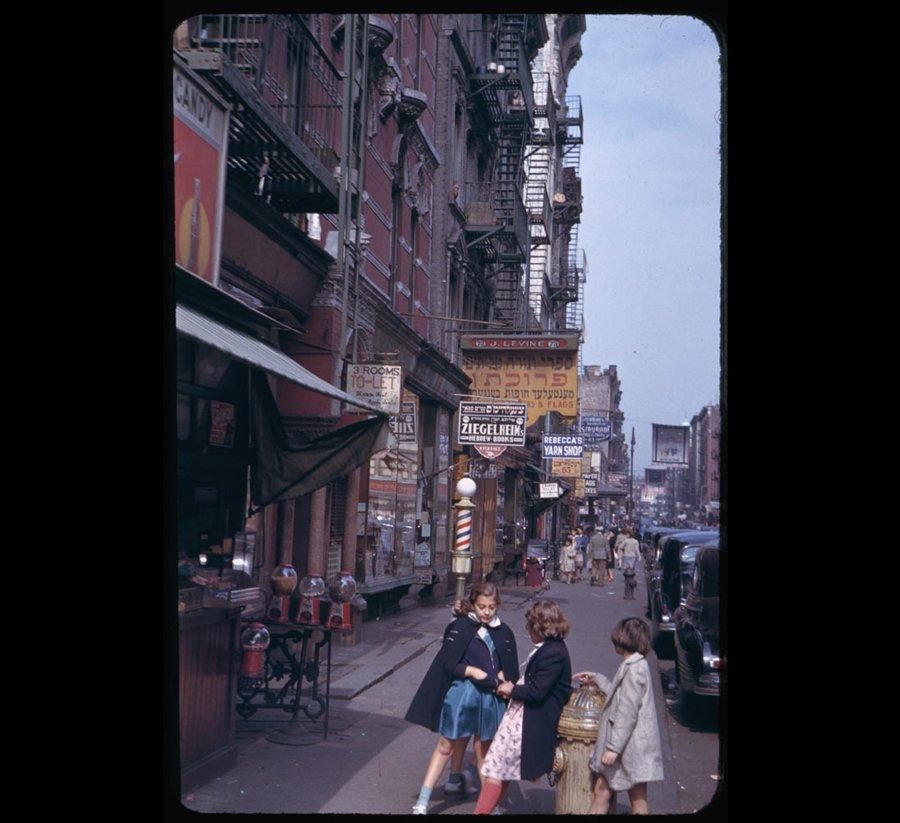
x: 567, y: 215
x: 496, y: 219
x: 286, y: 105
x: 537, y: 201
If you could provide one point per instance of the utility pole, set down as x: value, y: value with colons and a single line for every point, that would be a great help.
x: 631, y: 479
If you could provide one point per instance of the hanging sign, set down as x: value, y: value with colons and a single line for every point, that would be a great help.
x: 376, y: 384
x: 549, y: 490
x: 539, y: 371
x: 565, y: 468
x: 563, y: 445
x: 591, y: 484
x: 404, y: 424
x: 596, y: 429
x: 491, y: 427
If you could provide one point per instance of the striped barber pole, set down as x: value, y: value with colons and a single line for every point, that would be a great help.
x: 464, y: 530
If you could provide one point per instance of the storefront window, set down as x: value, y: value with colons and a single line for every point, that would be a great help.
x: 393, y: 499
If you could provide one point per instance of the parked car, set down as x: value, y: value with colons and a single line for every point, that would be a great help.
x: 699, y: 663
x: 664, y: 586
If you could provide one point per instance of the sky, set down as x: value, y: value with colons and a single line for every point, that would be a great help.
x: 650, y: 170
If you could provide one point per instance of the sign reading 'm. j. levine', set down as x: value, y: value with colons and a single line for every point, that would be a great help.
x: 491, y: 424
x: 563, y: 445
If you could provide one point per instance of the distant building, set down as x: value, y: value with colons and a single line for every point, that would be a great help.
x: 703, y: 457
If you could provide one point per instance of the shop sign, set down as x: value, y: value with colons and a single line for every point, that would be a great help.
x: 563, y: 445
x: 655, y: 477
x: 488, y: 342
x: 543, y: 377
x: 565, y: 468
x: 591, y: 482
x: 617, y: 478
x: 670, y: 444
x: 549, y: 490
x: 376, y: 384
x: 404, y: 424
x: 424, y: 577
x: 579, y: 487
x: 491, y: 427
x: 596, y: 430
x: 201, y: 127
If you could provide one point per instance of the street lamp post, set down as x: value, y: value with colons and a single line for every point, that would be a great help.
x: 461, y: 564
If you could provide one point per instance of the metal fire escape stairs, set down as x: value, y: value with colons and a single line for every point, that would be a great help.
x: 538, y: 164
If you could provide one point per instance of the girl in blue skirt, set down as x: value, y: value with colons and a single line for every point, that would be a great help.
x: 456, y: 698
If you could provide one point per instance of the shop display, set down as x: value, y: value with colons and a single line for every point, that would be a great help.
x: 284, y: 581
x: 312, y: 587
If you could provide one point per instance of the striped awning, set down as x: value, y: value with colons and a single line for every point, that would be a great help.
x: 256, y: 353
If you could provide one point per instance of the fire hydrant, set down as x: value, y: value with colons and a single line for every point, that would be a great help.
x: 578, y: 727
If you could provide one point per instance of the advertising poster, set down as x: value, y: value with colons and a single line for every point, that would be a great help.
x: 201, y: 128
x: 539, y: 371
x: 403, y: 425
x: 670, y: 444
x: 221, y: 429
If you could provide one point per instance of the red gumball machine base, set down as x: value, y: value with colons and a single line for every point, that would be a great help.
x: 339, y: 616
x: 309, y: 611
x: 279, y: 608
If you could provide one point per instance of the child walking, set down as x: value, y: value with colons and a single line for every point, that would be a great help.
x: 525, y: 743
x: 627, y: 754
x: 457, y: 698
x: 567, y: 560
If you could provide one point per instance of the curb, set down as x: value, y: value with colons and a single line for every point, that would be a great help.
x: 667, y: 787
x: 339, y: 692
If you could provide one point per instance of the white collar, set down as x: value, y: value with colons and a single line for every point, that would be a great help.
x: 493, y: 624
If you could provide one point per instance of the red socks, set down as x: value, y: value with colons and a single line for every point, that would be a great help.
x: 491, y: 794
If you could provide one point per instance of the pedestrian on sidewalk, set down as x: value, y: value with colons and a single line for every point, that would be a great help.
x: 457, y: 697
x: 567, y: 564
x: 611, y: 536
x: 617, y: 547
x: 598, y: 546
x: 631, y: 551
x: 628, y: 752
x: 580, y: 542
x: 525, y: 743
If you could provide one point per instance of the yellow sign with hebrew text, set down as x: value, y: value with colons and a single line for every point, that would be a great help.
x: 545, y: 380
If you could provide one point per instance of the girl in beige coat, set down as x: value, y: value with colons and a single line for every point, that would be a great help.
x: 628, y: 752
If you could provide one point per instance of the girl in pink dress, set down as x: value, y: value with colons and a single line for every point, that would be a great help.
x: 525, y: 741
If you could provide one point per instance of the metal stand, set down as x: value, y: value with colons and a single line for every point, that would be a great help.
x: 282, y: 660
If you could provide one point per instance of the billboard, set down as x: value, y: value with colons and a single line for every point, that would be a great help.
x: 201, y: 135
x: 537, y: 370
x: 670, y: 444
x: 655, y: 477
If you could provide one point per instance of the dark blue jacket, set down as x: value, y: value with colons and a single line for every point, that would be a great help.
x: 547, y: 686
x: 425, y: 709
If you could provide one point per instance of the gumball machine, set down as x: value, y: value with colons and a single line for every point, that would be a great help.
x: 284, y: 581
x: 342, y: 588
x: 312, y: 587
x: 254, y: 641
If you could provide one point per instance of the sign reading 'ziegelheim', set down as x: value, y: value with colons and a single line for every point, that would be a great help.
x: 491, y: 424
x: 563, y: 445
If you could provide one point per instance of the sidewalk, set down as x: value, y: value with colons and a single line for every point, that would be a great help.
x: 391, y: 642
x: 372, y: 759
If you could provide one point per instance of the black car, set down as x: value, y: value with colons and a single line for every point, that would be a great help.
x: 664, y: 582
x: 699, y: 663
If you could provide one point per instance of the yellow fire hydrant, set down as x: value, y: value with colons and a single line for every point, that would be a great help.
x: 578, y: 727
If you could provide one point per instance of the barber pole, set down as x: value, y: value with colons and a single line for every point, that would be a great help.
x: 461, y: 563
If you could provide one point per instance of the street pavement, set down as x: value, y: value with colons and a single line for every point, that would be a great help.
x: 373, y: 760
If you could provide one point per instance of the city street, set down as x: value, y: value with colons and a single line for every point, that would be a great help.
x: 374, y: 760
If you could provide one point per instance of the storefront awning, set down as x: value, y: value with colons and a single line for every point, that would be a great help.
x: 256, y: 353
